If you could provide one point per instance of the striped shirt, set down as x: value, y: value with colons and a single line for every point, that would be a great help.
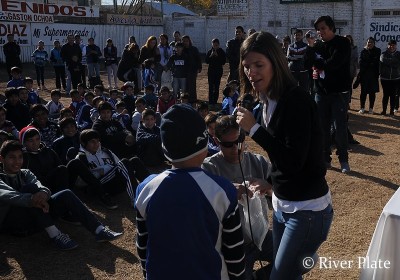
x: 188, y: 227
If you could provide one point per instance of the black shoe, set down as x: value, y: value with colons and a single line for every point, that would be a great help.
x: 108, y: 202
x: 383, y: 113
x: 353, y: 142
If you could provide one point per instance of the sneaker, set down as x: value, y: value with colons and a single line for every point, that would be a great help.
x: 38, y: 88
x: 107, y: 234
x: 383, y: 113
x: 391, y: 113
x: 72, y: 220
x: 395, y: 110
x: 371, y: 111
x: 63, y: 242
x: 362, y: 111
x: 345, y: 167
x: 108, y: 202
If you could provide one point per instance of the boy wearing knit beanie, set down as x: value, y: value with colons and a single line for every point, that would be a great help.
x: 186, y: 213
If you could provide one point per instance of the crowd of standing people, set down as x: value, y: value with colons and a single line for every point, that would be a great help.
x: 292, y: 99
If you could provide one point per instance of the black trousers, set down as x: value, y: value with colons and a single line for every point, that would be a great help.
x: 390, y: 93
x: 60, y: 77
x: 214, y: 81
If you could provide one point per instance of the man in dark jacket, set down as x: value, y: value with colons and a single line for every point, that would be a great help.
x: 331, y: 71
x: 296, y: 56
x: 215, y: 59
x: 11, y: 51
x: 72, y: 55
x: 233, y: 53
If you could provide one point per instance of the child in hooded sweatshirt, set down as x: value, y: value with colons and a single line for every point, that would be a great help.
x: 67, y: 146
x: 113, y: 136
x: 148, y: 140
x: 49, y: 130
x: 42, y: 161
x: 165, y: 100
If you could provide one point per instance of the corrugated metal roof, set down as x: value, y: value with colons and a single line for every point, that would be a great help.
x: 169, y: 8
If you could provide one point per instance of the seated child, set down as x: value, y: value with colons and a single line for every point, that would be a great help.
x: 228, y: 105
x: 149, y: 75
x: 113, y: 136
x: 83, y: 118
x: 94, y: 112
x: 207, y: 202
x: 110, y: 175
x: 42, y: 161
x: 113, y: 97
x: 184, y: 98
x: 66, y: 113
x: 49, y: 130
x: 99, y: 91
x: 122, y: 115
x: 202, y: 109
x: 54, y: 106
x: 128, y: 96
x: 234, y: 85
x: 16, y: 113
x: 210, y: 120
x: 65, y: 145
x: 4, y: 136
x: 27, y: 206
x: 140, y: 105
x: 81, y: 89
x: 76, y: 101
x: 148, y: 140
x: 6, y: 125
x: 23, y: 96
x: 33, y: 95
x: 150, y: 97
x: 17, y: 80
x: 165, y: 101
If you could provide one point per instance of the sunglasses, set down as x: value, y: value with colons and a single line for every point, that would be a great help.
x: 230, y: 144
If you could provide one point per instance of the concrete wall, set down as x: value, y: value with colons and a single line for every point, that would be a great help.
x: 354, y: 17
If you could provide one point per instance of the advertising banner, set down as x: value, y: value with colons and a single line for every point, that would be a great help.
x: 232, y: 7
x: 49, y: 32
x: 133, y: 20
x: 20, y: 30
x: 12, y: 10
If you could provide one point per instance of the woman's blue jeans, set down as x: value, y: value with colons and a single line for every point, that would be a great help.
x: 296, y: 238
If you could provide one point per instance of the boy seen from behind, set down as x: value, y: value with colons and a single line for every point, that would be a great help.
x: 207, y: 237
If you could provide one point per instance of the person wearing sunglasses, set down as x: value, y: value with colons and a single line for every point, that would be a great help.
x: 291, y: 134
x: 226, y: 163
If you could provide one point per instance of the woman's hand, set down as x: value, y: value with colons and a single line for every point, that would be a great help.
x: 245, y: 119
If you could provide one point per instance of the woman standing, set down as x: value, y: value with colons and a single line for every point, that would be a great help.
x: 110, y: 56
x: 389, y: 68
x: 129, y: 68
x: 193, y: 67
x: 290, y: 133
x: 369, y: 74
x: 165, y: 54
x: 150, y: 51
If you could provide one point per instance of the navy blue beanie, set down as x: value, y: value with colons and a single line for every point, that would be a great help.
x: 183, y: 133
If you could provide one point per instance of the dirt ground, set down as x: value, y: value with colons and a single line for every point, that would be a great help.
x: 358, y: 199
